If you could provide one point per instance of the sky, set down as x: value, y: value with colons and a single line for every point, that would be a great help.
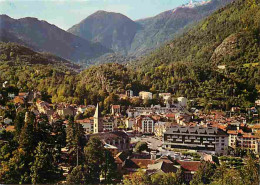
x: 66, y: 13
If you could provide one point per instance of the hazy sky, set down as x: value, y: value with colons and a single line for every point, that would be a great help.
x: 65, y: 13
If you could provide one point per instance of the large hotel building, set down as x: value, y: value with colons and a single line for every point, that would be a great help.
x: 209, y: 139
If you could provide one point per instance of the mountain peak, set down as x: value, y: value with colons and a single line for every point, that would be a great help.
x: 113, y: 30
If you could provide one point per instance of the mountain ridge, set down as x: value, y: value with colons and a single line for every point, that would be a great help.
x: 42, y: 36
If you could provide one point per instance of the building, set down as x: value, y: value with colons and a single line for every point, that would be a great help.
x: 161, y: 127
x: 44, y: 108
x: 108, y: 124
x: 144, y: 124
x: 81, y: 109
x: 129, y: 93
x: 257, y: 102
x: 116, y: 141
x: 165, y: 96
x: 139, y: 111
x: 8, y: 121
x: 145, y: 95
x: 209, y: 139
x: 248, y: 141
x: 66, y: 110
x: 98, y: 121
x: 87, y: 124
x: 115, y: 109
x: 129, y: 122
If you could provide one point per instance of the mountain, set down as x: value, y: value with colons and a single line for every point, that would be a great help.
x: 164, y: 27
x: 42, y: 36
x: 230, y: 35
x: 113, y: 30
x: 126, y: 37
x: 189, y: 65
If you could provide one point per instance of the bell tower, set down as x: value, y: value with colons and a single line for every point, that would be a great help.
x: 98, y: 121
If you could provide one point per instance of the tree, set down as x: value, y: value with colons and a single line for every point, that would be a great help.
x: 94, y: 156
x: 137, y: 178
x: 164, y: 179
x: 17, y: 169
x: 204, y: 174
x: 76, y: 141
x: 79, y: 175
x: 43, y: 169
x: 141, y: 146
x: 109, y: 167
x: 99, y: 161
x: 26, y: 140
x: 250, y: 172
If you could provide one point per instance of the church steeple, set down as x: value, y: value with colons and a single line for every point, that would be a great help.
x: 98, y: 121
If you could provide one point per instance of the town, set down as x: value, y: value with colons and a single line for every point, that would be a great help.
x: 155, y: 139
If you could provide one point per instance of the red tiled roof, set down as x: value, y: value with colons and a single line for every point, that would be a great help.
x: 10, y: 128
x: 189, y: 165
x: 139, y: 163
x: 116, y: 106
x: 256, y: 126
x: 170, y: 115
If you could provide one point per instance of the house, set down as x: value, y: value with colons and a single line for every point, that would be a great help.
x: 248, y: 141
x: 87, y: 124
x: 19, y: 100
x: 189, y: 168
x: 81, y: 109
x: 66, y: 110
x: 108, y: 124
x: 129, y: 122
x: 157, y: 109
x: 115, y: 109
x: 145, y: 95
x: 161, y: 127
x: 10, y: 128
x: 257, y: 102
x: 208, y: 139
x: 165, y: 96
x: 144, y: 124
x: 133, y: 165
x: 117, y: 139
x: 7, y: 121
x: 23, y: 94
x: 129, y: 93
x: 11, y: 95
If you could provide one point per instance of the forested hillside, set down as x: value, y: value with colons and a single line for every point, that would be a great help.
x: 215, y: 63
x: 188, y: 65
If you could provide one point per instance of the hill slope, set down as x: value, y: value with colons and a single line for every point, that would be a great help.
x: 113, y: 30
x: 42, y: 36
x: 188, y: 65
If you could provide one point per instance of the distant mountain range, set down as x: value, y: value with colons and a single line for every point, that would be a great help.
x: 104, y: 33
x: 42, y: 36
x: 127, y: 37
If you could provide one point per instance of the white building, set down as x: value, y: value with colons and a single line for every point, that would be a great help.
x: 165, y: 96
x: 145, y: 95
x: 129, y: 122
x: 87, y: 124
x: 8, y: 121
x: 129, y: 93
